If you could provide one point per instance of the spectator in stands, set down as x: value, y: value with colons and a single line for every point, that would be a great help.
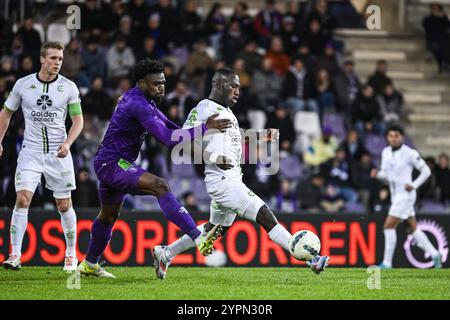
x: 437, y: 26
x: 98, y: 103
x: 314, y: 38
x: 233, y: 42
x: 328, y: 61
x: 428, y: 190
x: 280, y: 120
x: 72, y: 64
x: 293, y: 14
x: 241, y: 15
x: 139, y: 12
x: 443, y: 177
x: 353, y: 147
x: 322, y: 14
x: 190, y: 24
x: 215, y: 25
x: 332, y: 200
x: 182, y: 98
x: 382, y: 202
x: 311, y: 193
x: 366, y: 113
x: 112, y: 15
x: 251, y: 56
x: 169, y: 22
x: 285, y: 199
x: 309, y: 60
x: 347, y: 86
x: 322, y: 149
x: 244, y: 77
x: 379, y: 80
x: 94, y: 59
x: 91, y: 18
x: 267, y: 85
x: 170, y: 75
x: 134, y: 39
x: 361, y: 180
x: 86, y: 193
x: 148, y: 49
x: 298, y: 88
x: 324, y: 92
x: 190, y: 201
x: 31, y: 39
x: 120, y: 59
x: 391, y: 105
x: 153, y: 29
x: 338, y: 173
x: 6, y: 71
x: 280, y: 60
x: 267, y: 22
x: 26, y: 67
x: 290, y: 35
x: 198, y: 65
x: 17, y: 51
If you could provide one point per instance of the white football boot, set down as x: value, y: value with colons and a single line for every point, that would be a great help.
x: 70, y: 264
x: 160, y: 261
x: 13, y: 263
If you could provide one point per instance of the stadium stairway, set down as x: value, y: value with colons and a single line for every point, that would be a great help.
x: 415, y: 74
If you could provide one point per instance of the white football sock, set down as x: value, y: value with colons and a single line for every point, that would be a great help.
x: 390, y: 241
x: 280, y: 236
x: 424, y: 243
x: 69, y: 225
x: 182, y: 244
x: 19, y: 222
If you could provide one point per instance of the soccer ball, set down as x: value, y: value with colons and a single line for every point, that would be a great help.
x: 216, y: 259
x: 304, y: 245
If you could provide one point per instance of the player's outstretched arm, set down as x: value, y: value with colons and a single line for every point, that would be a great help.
x: 74, y: 132
x: 5, y: 118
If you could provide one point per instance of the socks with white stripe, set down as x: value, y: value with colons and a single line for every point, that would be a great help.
x: 424, y: 243
x: 390, y: 241
x: 69, y: 225
x: 280, y: 236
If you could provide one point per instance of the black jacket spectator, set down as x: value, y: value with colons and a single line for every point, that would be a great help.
x: 347, y: 86
x: 379, y: 80
x: 366, y: 108
x: 443, y: 177
x: 311, y: 193
x: 280, y: 120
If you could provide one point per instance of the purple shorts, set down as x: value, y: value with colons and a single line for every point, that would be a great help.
x: 117, y: 178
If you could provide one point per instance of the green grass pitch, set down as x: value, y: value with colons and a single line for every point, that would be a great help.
x: 226, y: 283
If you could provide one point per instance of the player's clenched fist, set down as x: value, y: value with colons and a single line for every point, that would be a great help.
x: 63, y: 150
x: 219, y: 124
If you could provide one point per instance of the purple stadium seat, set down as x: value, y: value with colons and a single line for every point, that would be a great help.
x: 290, y: 168
x: 432, y: 207
x: 183, y: 171
x: 354, y: 207
x: 336, y: 122
x: 375, y: 144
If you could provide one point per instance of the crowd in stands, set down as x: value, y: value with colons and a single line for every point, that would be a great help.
x: 292, y: 73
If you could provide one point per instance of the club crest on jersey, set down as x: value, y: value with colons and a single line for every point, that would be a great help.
x: 44, y: 101
x: 32, y: 86
x: 60, y: 88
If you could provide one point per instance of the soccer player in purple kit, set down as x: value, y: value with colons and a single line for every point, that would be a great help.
x: 137, y: 114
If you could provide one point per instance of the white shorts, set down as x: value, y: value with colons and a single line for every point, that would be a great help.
x: 230, y: 198
x: 58, y: 173
x: 402, y: 206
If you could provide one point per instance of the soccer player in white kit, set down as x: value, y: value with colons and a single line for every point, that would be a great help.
x: 46, y: 98
x: 223, y: 177
x: 397, y: 164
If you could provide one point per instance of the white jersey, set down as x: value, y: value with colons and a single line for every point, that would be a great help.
x: 228, y: 143
x: 397, y: 168
x: 45, y: 106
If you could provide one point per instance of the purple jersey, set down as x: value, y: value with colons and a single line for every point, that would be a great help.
x: 134, y: 117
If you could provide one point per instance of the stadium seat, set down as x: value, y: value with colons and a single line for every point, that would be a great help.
x: 307, y: 126
x: 257, y: 119
x: 58, y: 32
x: 290, y: 168
x: 336, y: 123
x: 375, y: 144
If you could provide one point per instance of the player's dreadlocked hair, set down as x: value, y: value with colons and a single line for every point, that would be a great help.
x: 145, y: 67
